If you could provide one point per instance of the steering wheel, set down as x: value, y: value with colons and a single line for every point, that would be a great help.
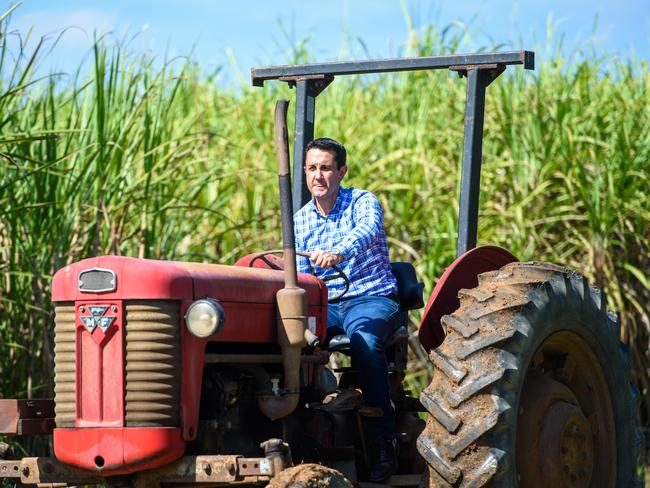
x: 338, y: 272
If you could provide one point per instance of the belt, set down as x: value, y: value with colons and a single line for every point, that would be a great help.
x: 392, y: 297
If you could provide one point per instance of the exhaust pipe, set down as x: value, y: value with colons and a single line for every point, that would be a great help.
x: 292, y: 300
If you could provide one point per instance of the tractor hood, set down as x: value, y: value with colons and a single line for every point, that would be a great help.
x: 122, y: 350
x: 124, y: 278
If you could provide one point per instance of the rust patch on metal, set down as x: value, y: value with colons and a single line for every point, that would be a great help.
x: 10, y: 469
x: 26, y: 417
x: 8, y: 417
x: 255, y: 467
x: 44, y: 470
x: 187, y: 470
x: 207, y: 469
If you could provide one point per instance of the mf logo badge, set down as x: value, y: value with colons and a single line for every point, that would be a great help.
x: 97, y: 318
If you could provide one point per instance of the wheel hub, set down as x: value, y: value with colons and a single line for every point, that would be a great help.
x: 566, y: 446
x: 554, y: 440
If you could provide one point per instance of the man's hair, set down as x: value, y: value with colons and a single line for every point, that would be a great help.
x: 332, y: 146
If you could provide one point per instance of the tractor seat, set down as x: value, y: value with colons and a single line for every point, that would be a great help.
x: 396, y: 347
x: 409, y: 292
x: 409, y: 289
x: 341, y: 342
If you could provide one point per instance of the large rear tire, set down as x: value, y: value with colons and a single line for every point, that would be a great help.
x: 531, y: 387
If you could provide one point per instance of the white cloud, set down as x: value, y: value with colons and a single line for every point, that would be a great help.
x: 79, y: 25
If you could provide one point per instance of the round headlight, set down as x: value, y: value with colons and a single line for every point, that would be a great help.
x: 204, y: 318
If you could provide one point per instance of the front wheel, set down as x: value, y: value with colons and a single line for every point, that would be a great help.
x: 530, y: 387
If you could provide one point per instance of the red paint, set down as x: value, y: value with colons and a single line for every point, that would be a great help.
x: 193, y: 359
x: 136, y: 279
x: 247, y: 294
x: 251, y: 317
x: 248, y: 285
x: 462, y: 273
x: 248, y: 298
x: 171, y: 280
x: 256, y: 324
x: 99, y: 368
x: 122, y: 450
x: 305, y: 280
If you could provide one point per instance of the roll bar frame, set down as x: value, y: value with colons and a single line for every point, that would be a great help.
x: 480, y: 69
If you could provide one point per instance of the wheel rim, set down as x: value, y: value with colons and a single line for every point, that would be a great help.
x: 566, y: 434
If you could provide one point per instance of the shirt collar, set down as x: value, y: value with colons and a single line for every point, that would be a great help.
x: 337, y: 204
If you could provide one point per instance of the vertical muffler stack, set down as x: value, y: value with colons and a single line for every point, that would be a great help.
x: 292, y: 300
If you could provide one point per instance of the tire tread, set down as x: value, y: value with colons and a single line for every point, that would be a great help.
x: 472, y: 392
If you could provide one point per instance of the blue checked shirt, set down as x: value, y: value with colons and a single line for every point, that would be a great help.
x: 354, y: 228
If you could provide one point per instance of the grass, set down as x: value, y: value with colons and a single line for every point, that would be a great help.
x: 159, y: 162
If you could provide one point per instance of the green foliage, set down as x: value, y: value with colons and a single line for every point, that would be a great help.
x: 158, y: 162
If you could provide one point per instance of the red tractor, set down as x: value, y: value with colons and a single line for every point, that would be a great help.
x: 170, y: 373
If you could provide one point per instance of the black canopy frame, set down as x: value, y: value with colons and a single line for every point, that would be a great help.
x: 480, y: 70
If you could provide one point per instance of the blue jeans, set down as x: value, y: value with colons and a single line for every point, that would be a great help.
x: 368, y: 321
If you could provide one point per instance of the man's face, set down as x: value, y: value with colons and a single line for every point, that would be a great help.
x: 323, y: 177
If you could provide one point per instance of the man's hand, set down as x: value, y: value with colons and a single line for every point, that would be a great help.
x: 325, y: 259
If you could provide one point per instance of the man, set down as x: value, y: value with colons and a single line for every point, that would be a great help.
x: 345, y: 227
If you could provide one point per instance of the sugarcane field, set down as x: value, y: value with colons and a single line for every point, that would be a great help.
x: 293, y: 245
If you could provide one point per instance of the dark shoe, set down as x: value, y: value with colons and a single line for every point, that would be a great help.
x: 386, y: 461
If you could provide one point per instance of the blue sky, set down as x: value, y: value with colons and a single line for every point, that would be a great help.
x: 239, y: 35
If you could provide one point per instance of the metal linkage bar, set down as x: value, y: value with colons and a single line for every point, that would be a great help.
x: 187, y: 470
x: 260, y: 75
x: 26, y: 417
x: 43, y: 470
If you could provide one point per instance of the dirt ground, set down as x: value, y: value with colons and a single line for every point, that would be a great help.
x: 309, y: 476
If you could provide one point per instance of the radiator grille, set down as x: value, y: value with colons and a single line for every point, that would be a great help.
x: 64, y: 364
x: 153, y: 363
